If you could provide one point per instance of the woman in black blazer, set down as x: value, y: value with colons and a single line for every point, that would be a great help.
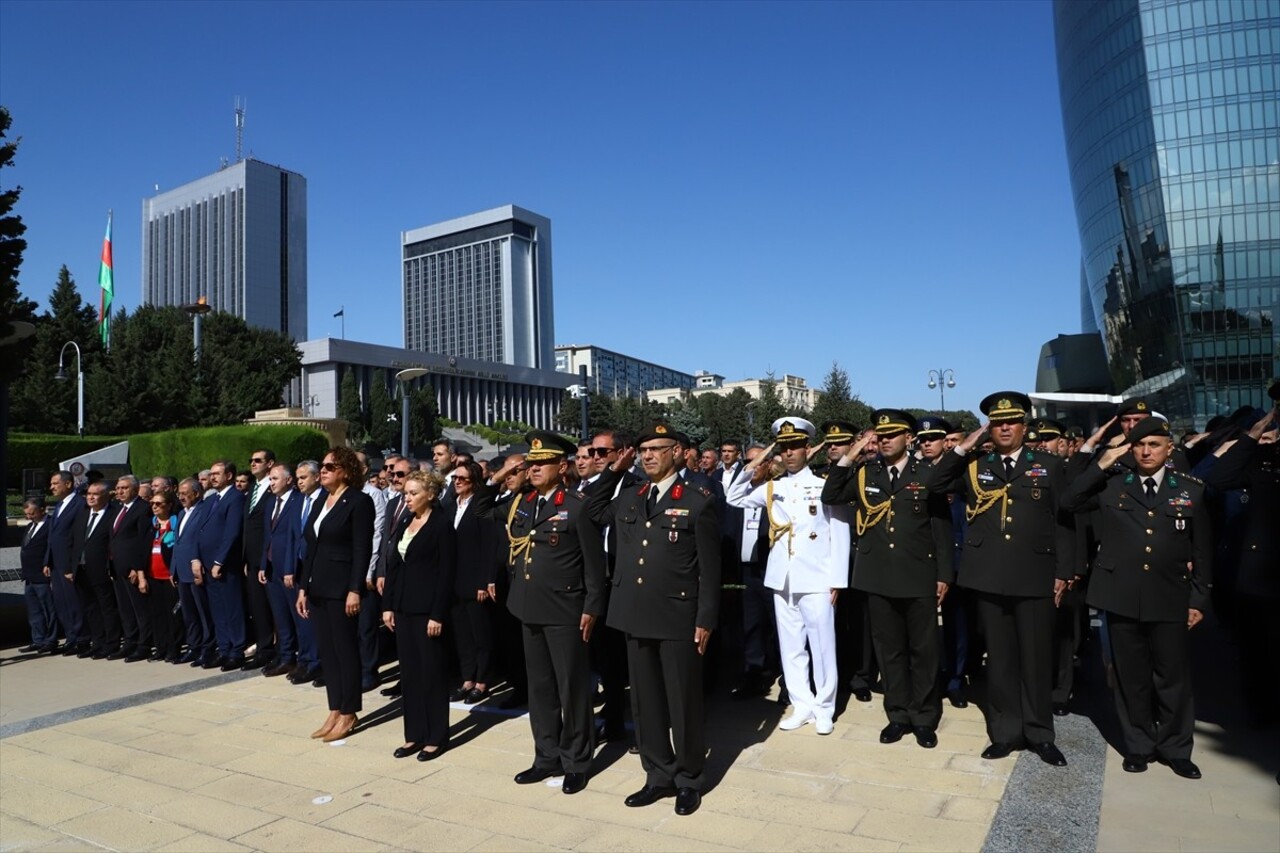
x: 475, y: 590
x: 415, y: 603
x: 339, y: 537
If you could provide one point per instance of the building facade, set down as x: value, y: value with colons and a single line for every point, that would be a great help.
x: 793, y: 391
x: 615, y: 374
x: 479, y: 288
x: 237, y: 237
x: 1171, y: 112
x: 467, y: 391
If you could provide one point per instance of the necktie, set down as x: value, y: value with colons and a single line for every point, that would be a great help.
x: 538, y: 512
x: 1008, y: 469
x: 31, y: 531
x: 1150, y: 484
x: 119, y: 518
x: 253, y: 499
x: 93, y: 521
x: 893, y: 478
x: 275, y: 513
x: 306, y: 511
x: 652, y: 503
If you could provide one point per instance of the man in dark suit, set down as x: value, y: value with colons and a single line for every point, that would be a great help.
x: 61, y: 560
x: 1151, y: 578
x: 35, y: 579
x: 278, y: 564
x: 509, y: 484
x: 665, y: 599
x: 130, y: 552
x: 221, y: 563
x: 903, y: 563
x: 193, y: 593
x: 92, y: 574
x: 398, y: 469
x: 311, y: 495
x: 747, y: 550
x: 1018, y: 559
x: 257, y: 600
x: 556, y: 558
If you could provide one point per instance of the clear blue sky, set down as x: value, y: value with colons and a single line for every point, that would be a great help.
x: 791, y: 183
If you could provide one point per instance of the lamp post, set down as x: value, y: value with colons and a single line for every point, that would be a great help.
x: 403, y: 378
x: 62, y: 374
x: 942, y: 379
x: 197, y: 310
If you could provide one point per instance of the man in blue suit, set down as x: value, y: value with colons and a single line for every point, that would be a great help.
x: 310, y: 496
x: 65, y: 531
x: 192, y: 593
x: 221, y: 563
x: 35, y: 579
x: 279, y: 561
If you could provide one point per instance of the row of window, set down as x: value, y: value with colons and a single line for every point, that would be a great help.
x: 1242, y: 44
x: 1159, y: 18
x: 1232, y: 81
x: 1203, y: 156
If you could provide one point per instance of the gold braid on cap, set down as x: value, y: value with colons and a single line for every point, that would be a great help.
x: 775, y: 529
x: 869, y: 514
x: 519, y: 544
x: 985, y: 499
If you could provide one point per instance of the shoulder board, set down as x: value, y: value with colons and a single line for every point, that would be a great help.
x: 1181, y: 476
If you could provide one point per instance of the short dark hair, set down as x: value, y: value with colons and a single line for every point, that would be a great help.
x: 36, y: 501
x: 267, y: 452
x: 731, y: 442
x: 65, y: 477
x: 228, y: 467
x: 448, y: 443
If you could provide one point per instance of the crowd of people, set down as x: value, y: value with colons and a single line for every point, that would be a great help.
x: 903, y: 556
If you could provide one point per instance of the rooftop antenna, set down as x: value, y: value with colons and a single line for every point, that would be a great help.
x: 240, y: 108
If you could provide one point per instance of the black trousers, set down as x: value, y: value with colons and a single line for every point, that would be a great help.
x: 759, y: 628
x: 510, y: 642
x: 1019, y: 639
x: 100, y: 610
x: 371, y: 633
x: 855, y: 656
x: 424, y: 681
x: 258, y: 606
x: 905, y: 633
x: 336, y: 635
x: 1153, y: 686
x: 166, y: 626
x: 560, y: 707
x: 958, y: 636
x: 1067, y: 635
x: 130, y: 625
x: 473, y: 636
x: 667, y: 703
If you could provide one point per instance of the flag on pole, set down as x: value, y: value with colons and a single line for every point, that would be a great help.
x: 341, y: 312
x: 107, y: 287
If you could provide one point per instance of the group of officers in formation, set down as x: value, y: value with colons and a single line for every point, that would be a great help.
x: 905, y: 547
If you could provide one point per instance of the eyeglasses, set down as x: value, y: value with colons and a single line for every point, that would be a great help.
x: 398, y: 474
x: 257, y: 460
x: 656, y: 448
x: 462, y: 479
x: 331, y: 466
x: 601, y: 451
x: 158, y: 503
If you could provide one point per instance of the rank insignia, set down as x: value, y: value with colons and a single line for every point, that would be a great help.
x: 553, y: 539
x: 562, y: 515
x: 1180, y: 524
x: 677, y: 491
x: 1035, y: 494
x: 673, y: 535
x: 813, y: 509
x: 559, y: 501
x: 675, y: 512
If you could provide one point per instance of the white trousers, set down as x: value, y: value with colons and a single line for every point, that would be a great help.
x: 808, y: 617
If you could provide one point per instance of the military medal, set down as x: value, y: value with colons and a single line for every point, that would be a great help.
x: 1035, y: 494
x: 813, y: 509
x: 553, y: 539
x: 1180, y: 524
x: 813, y: 535
x: 673, y: 535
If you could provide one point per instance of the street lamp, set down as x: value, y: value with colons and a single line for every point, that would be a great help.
x: 404, y: 377
x: 62, y: 374
x: 197, y: 310
x: 938, y: 379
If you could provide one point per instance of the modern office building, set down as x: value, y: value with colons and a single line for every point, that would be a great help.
x: 237, y: 237
x: 479, y: 288
x: 793, y: 391
x: 467, y: 390
x: 615, y: 374
x: 1171, y: 113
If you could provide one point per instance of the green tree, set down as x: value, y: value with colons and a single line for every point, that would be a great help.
x: 599, y: 413
x: 16, y: 341
x: 351, y: 408
x: 724, y: 415
x: 384, y: 420
x: 632, y: 414
x: 767, y: 409
x: 836, y: 400
x: 685, y: 416
x: 243, y: 369
x: 423, y: 416
x: 141, y: 384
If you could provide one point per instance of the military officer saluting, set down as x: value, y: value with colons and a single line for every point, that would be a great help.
x: 1151, y: 578
x: 904, y: 563
x: 808, y: 565
x: 1017, y: 560
x: 665, y: 600
x: 556, y: 560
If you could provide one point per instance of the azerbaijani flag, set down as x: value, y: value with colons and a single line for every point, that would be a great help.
x: 105, y: 282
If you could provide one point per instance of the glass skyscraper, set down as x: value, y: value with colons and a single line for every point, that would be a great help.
x: 1170, y: 111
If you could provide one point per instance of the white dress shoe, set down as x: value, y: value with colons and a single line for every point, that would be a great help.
x: 796, y: 720
x: 824, y: 727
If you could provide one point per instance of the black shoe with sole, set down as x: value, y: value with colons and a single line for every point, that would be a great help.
x: 1184, y: 767
x: 534, y: 774
x: 1135, y: 764
x: 998, y: 750
x: 687, y: 801
x: 1049, y: 754
x: 574, y: 782
x: 893, y: 732
x: 925, y: 736
x: 648, y: 795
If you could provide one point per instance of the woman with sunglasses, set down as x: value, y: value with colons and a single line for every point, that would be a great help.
x: 166, y: 625
x: 475, y: 587
x: 339, y: 545
x: 415, y: 604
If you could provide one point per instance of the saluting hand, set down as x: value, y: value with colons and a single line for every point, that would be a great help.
x: 854, y: 450
x: 974, y: 438
x: 812, y: 451
x: 626, y: 459
x: 1261, y: 426
x: 1096, y: 438
x: 1112, y: 455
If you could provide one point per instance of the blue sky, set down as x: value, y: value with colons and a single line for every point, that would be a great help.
x: 879, y: 184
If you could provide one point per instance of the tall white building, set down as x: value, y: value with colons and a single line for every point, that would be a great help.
x: 237, y: 237
x: 615, y: 374
x: 479, y: 287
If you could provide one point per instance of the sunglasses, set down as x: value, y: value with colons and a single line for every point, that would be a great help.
x: 462, y: 479
x: 398, y: 474
x: 331, y: 466
x: 601, y: 451
x: 158, y: 503
x: 257, y: 460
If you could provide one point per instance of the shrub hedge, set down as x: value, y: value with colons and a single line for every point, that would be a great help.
x: 177, y: 452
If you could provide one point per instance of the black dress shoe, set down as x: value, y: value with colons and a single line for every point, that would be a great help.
x: 232, y: 664
x: 254, y: 662
x: 517, y: 699
x: 648, y: 795
x: 212, y: 662
x: 393, y: 690
x: 278, y: 670
x: 474, y: 695
x: 300, y: 675
x: 925, y: 736
x: 1049, y: 754
x: 100, y: 654
x: 68, y: 650
x: 318, y: 681
x: 157, y: 655
x: 189, y: 657
x: 26, y: 650
x: 1135, y: 764
x: 753, y: 685
x: 574, y: 782
x: 633, y: 750
x: 432, y: 755
x: 366, y: 686
x: 534, y: 774
x: 957, y: 699
x: 457, y: 694
x: 121, y: 653
x: 687, y: 801
x: 862, y: 694
x: 51, y: 649
x: 997, y: 750
x: 1060, y: 709
x: 893, y: 732
x: 1183, y: 767
x: 142, y: 654
x: 406, y: 751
